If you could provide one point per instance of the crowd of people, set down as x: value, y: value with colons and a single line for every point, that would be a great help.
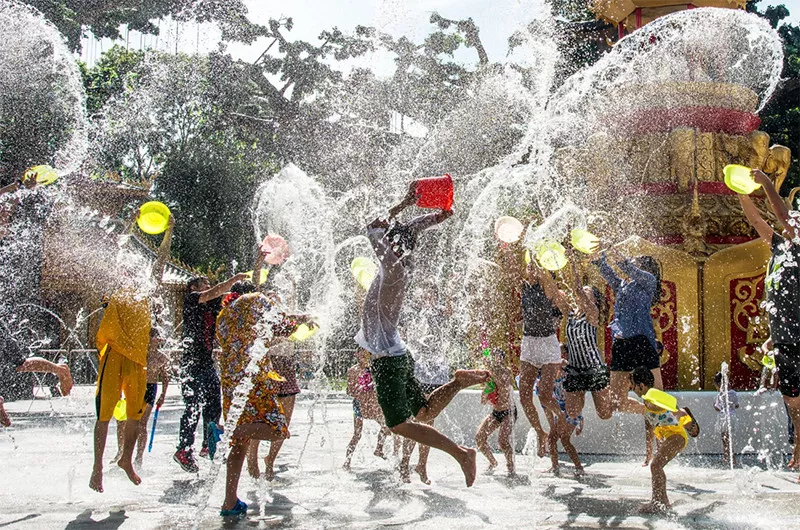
x: 252, y: 383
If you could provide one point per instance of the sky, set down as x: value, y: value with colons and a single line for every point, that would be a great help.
x: 497, y: 19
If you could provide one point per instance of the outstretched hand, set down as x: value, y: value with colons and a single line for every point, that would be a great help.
x: 759, y: 176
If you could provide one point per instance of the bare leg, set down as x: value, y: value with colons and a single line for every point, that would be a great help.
x: 422, y: 462
x: 258, y: 431
x: 120, y: 441
x: 126, y: 460
x: 726, y: 446
x: 382, y: 434
x: 100, y: 434
x: 565, y: 434
x: 442, y: 396
x: 38, y: 364
x: 275, y: 447
x: 252, y: 458
x: 527, y: 377
x: 602, y: 403
x: 547, y: 382
x: 5, y: 421
x: 358, y: 424
x: 141, y: 435
x: 666, y: 452
x: 427, y: 435
x: 552, y: 446
x: 619, y: 388
x: 504, y: 440
x: 488, y: 426
x: 405, y: 460
x: 236, y: 458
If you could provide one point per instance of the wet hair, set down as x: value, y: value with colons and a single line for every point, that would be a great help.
x: 402, y: 238
x: 195, y: 282
x: 642, y: 375
x: 718, y: 379
x: 243, y: 287
x: 649, y: 264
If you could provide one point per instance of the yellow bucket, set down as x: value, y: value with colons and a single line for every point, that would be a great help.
x: 551, y: 255
x: 584, y: 241
x: 364, y: 271
x: 264, y: 274
x: 303, y: 332
x: 661, y: 399
x: 739, y: 179
x: 121, y: 410
x: 43, y: 174
x: 153, y: 217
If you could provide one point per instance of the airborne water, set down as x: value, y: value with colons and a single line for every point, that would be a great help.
x: 500, y: 145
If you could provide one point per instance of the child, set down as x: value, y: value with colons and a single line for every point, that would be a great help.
x: 725, y: 407
x: 563, y: 430
x: 361, y: 388
x: 671, y: 427
x: 157, y: 369
x: 504, y: 413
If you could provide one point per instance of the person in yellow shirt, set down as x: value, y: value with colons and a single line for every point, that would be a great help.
x: 122, y: 340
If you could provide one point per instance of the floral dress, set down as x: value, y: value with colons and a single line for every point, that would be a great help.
x: 236, y: 333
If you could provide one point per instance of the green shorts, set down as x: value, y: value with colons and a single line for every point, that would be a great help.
x: 399, y: 393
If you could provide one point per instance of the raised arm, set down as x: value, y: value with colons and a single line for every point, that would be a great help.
x: 409, y: 199
x: 608, y: 274
x: 257, y: 268
x: 765, y: 232
x: 776, y: 203
x: 221, y: 288
x: 636, y: 274
x: 163, y: 251
x: 551, y: 290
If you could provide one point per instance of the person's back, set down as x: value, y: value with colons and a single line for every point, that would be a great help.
x: 125, y: 327
x: 199, y: 327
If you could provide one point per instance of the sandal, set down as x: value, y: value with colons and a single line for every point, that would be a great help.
x: 212, y: 437
x: 238, y: 509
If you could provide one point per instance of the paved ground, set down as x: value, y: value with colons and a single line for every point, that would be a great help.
x: 46, y: 458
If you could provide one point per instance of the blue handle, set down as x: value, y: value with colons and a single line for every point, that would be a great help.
x: 153, y: 430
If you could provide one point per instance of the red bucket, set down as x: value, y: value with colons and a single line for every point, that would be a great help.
x: 435, y: 192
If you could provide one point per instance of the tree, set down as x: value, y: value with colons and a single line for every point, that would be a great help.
x: 110, y: 76
x: 175, y: 124
x: 104, y: 18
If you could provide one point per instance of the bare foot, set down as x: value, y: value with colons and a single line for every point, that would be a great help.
x: 646, y: 462
x: 469, y: 464
x: 793, y: 465
x: 346, y: 465
x: 472, y: 377
x: 654, y: 507
x: 379, y: 454
x: 423, y: 474
x: 127, y: 467
x: 490, y: 468
x: 579, y: 472
x: 116, y: 458
x: 555, y: 470
x: 65, y: 380
x: 5, y: 421
x: 96, y: 480
x: 269, y: 472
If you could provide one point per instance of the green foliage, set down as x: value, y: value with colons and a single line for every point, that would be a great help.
x: 110, y: 76
x: 105, y: 18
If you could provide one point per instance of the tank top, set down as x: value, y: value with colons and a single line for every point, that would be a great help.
x: 539, y: 314
x: 582, y: 350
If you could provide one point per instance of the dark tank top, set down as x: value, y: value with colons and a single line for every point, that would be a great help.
x: 539, y: 314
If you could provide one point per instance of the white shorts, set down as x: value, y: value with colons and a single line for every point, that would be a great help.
x: 539, y: 351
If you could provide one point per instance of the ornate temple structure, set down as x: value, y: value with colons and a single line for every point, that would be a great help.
x: 676, y: 141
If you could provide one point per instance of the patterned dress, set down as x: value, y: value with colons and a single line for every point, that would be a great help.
x: 236, y: 333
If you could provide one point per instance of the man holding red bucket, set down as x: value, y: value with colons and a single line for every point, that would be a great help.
x: 399, y: 394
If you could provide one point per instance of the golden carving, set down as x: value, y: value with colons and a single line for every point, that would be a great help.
x: 749, y: 317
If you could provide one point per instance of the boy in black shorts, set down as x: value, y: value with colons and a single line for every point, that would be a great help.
x: 404, y: 405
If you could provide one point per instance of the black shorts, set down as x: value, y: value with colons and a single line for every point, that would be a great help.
x: 629, y: 354
x: 787, y: 360
x: 150, y: 394
x: 500, y: 415
x: 586, y: 379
